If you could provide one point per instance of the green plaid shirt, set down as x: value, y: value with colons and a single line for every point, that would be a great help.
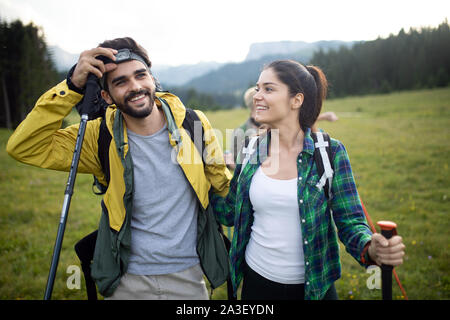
x: 319, y: 218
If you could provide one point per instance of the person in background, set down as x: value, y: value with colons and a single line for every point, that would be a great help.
x: 285, y: 241
x: 247, y: 129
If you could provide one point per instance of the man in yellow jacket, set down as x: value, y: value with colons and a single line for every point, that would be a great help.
x: 153, y: 240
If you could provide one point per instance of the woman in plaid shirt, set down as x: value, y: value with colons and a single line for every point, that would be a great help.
x: 285, y: 244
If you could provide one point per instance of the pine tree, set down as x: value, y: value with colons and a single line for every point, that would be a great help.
x: 26, y: 70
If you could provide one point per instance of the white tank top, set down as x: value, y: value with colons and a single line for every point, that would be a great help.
x: 275, y: 248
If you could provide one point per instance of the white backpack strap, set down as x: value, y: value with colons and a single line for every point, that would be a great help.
x: 321, y: 182
x: 248, y: 151
x: 321, y: 144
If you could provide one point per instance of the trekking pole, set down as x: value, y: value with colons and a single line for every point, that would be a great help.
x: 89, y: 97
x: 388, y: 229
x: 372, y: 227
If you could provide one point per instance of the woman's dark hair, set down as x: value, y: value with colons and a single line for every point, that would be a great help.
x: 130, y: 43
x: 309, y: 80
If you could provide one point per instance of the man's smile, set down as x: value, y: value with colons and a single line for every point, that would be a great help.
x: 137, y: 97
x: 141, y: 96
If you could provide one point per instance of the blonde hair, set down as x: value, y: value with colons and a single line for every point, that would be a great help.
x: 248, y: 97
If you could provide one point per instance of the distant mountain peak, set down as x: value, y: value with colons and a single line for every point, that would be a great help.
x: 305, y: 49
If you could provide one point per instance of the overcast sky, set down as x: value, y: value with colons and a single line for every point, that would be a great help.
x: 184, y: 32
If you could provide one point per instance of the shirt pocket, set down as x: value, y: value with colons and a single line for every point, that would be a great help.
x: 315, y: 194
x: 315, y: 204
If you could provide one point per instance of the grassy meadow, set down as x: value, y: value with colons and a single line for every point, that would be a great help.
x: 399, y: 151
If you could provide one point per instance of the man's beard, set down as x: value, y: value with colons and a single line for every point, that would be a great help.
x: 137, y: 112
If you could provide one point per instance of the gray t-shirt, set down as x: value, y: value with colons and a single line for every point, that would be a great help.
x: 165, y: 208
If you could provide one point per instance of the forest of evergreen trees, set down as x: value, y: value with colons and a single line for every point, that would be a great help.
x: 26, y: 70
x: 419, y: 58
x: 409, y: 60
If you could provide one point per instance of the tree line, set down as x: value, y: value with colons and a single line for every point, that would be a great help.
x: 419, y: 58
x: 26, y: 70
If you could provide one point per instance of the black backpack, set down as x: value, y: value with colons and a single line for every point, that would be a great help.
x: 86, y: 246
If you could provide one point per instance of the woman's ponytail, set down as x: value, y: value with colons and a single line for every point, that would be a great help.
x: 322, y: 87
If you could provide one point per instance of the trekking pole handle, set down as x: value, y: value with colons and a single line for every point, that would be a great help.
x: 388, y: 230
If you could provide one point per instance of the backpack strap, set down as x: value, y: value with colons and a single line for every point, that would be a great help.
x: 191, y: 124
x: 247, y: 152
x: 104, y: 141
x: 322, y: 158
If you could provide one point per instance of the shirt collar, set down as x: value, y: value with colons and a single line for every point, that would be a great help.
x: 308, y: 142
x: 262, y: 148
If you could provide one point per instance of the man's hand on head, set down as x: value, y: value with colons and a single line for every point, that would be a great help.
x: 88, y: 63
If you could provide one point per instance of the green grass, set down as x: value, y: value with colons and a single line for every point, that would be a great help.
x: 399, y: 150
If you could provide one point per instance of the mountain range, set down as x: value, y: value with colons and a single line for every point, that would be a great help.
x: 222, y: 78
